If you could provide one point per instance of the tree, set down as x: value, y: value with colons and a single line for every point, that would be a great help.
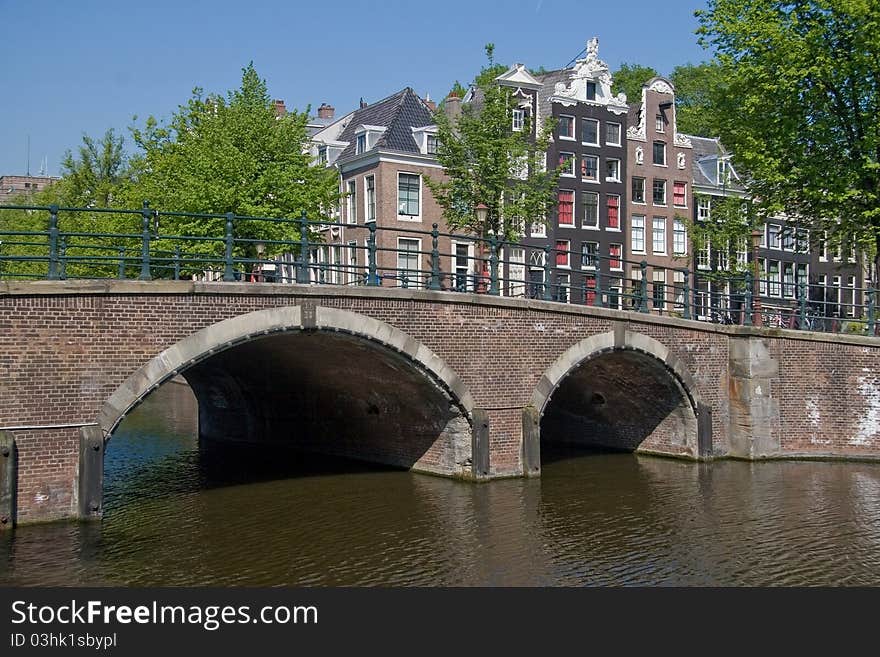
x: 232, y: 154
x: 798, y: 102
x: 630, y: 78
x: 487, y: 162
x: 96, y: 176
x: 694, y: 84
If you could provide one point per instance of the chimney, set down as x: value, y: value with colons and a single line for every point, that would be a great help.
x: 430, y: 104
x: 326, y: 111
x: 452, y: 107
x: 363, y: 104
x: 280, y: 109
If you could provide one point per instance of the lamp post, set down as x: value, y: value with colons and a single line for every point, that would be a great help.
x: 258, y: 266
x: 757, y: 319
x: 482, y: 212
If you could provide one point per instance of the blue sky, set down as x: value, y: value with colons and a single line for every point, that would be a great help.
x: 68, y: 68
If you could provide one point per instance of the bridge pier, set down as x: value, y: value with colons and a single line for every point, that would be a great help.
x: 531, y: 442
x: 8, y: 480
x: 90, y: 478
x: 754, y: 412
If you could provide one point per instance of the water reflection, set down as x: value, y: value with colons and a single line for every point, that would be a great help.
x: 178, y: 515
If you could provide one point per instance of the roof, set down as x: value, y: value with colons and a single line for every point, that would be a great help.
x: 548, y: 82
x: 704, y: 162
x: 398, y: 114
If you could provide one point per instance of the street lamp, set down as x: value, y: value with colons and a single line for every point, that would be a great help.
x: 482, y: 212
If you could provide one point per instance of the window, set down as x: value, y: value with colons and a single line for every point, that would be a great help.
x: 612, y: 134
x: 723, y: 256
x: 762, y: 283
x: 703, y: 205
x: 563, y: 282
x: 590, y: 168
x: 788, y: 280
x: 562, y: 254
x: 565, y: 127
x: 638, y: 233
x: 590, y: 289
x: 615, y: 252
x: 461, y: 262
x: 658, y: 242
x: 851, y: 296
x: 566, y: 207
x: 802, y: 239
x: 590, y: 131
x: 539, y: 229
x: 432, y: 144
x: 788, y: 239
x: 353, y: 274
x: 408, y: 186
x: 322, y: 155
x: 678, y: 289
x: 408, y: 261
x: 517, y: 271
x: 679, y: 194
x: 612, y: 170
x: 519, y: 118
x: 773, y: 241
x: 566, y: 164
x: 659, y: 192
x: 660, y: 153
x: 659, y: 123
x: 591, y: 91
x: 704, y: 255
x: 591, y: 209
x: 361, y: 144
x: 679, y: 237
x: 773, y: 279
x: 742, y: 251
x: 638, y: 190
x: 613, y: 207
x: 822, y: 247
x: 352, y: 202
x: 659, y: 289
x: 370, y: 184
x: 722, y: 172
x: 589, y: 255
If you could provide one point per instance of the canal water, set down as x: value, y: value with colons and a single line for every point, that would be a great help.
x: 178, y: 516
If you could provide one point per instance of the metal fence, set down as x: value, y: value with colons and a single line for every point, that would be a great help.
x: 50, y: 242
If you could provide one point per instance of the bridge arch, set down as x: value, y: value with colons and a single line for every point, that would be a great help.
x: 622, y: 390
x: 262, y: 374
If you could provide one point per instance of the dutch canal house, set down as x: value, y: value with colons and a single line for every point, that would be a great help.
x: 383, y: 152
x: 792, y: 262
x: 586, y: 232
x: 659, y: 181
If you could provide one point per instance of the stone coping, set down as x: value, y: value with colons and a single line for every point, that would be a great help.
x: 166, y: 287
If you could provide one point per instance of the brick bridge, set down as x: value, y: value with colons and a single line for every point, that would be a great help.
x: 454, y: 384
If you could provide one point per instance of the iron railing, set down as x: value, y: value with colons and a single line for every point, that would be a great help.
x: 50, y: 242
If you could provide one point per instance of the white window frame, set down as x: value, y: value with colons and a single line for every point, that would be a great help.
x: 655, y: 232
x: 351, y: 205
x: 619, y: 258
x: 573, y: 128
x: 416, y: 280
x: 658, y: 276
x: 583, y: 132
x: 566, y: 251
x: 637, y: 223
x: 368, y: 206
x: 619, y: 132
x: 680, y: 182
x: 665, y: 193
x: 679, y: 234
x: 644, y: 200
x: 409, y: 217
x: 774, y: 239
x: 584, y: 197
x: 586, y: 178
x: 518, y: 120
x: 590, y: 256
x: 467, y: 270
x: 659, y: 123
x: 572, y: 160
x: 608, y: 197
x: 704, y: 208
x: 538, y: 229
x: 573, y: 223
x: 608, y: 162
x: 665, y: 159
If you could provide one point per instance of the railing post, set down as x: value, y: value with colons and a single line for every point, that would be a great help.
x: 120, y: 273
x: 493, y: 266
x: 145, y: 242
x: 548, y: 295
x: 302, y: 268
x: 686, y: 294
x: 372, y: 276
x: 802, y: 309
x: 435, y: 260
x: 228, y: 240
x: 643, y: 287
x: 872, y: 319
x: 53, y: 242
x: 176, y: 263
x: 749, y: 310
x: 62, y: 257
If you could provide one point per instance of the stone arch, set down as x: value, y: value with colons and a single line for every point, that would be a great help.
x: 663, y: 368
x: 243, y: 328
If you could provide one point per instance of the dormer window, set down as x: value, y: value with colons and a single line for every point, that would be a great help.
x: 432, y: 144
x: 322, y: 155
x: 722, y: 172
x: 591, y: 91
x: 660, y: 123
x: 361, y: 146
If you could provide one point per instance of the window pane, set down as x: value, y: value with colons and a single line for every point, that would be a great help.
x: 566, y: 208
x: 590, y: 131
x: 408, y: 194
x: 591, y: 209
x: 659, y: 152
x: 613, y: 207
x: 638, y: 190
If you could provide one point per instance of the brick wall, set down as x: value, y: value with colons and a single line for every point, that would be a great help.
x: 65, y: 348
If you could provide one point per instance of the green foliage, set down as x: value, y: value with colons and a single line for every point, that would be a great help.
x: 630, y: 78
x: 731, y: 220
x: 95, y: 176
x: 487, y: 162
x: 798, y: 103
x: 232, y: 154
x: 694, y: 86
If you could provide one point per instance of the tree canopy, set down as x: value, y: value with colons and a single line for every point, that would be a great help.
x: 694, y: 84
x: 488, y: 162
x: 630, y: 78
x: 797, y: 100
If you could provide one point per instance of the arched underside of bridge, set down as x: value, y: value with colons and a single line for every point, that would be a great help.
x: 317, y: 380
x: 624, y: 392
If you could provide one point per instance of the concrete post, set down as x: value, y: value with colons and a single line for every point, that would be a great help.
x: 754, y: 414
x: 8, y: 479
